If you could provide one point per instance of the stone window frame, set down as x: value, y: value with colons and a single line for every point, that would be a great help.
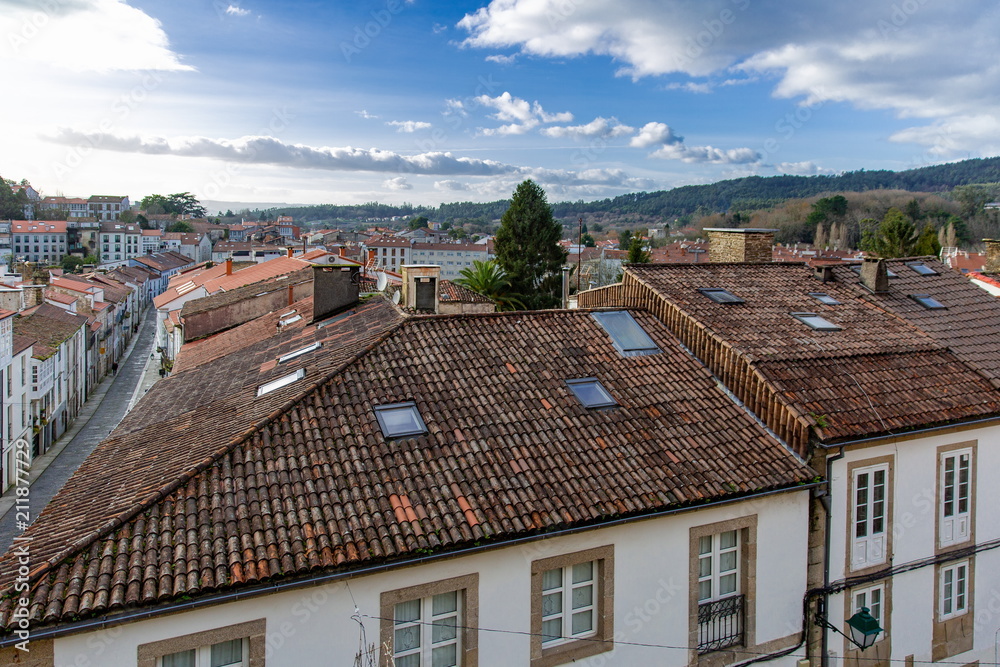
x: 603, y: 639
x: 955, y: 635
x: 466, y: 585
x: 878, y: 654
x: 973, y: 446
x: 253, y: 631
x: 747, y: 534
x: 890, y: 462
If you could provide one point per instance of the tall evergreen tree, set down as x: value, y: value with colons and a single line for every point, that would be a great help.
x: 637, y: 253
x: 895, y: 236
x: 527, y: 247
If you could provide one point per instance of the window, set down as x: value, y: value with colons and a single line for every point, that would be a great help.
x: 400, y: 420
x: 719, y: 295
x: 298, y: 353
x: 571, y: 606
x: 954, y: 587
x: 922, y: 268
x: 869, y: 525
x: 823, y: 297
x: 628, y: 337
x: 872, y: 598
x: 955, y: 497
x: 432, y: 625
x: 816, y: 322
x: 591, y: 393
x: 927, y: 301
x: 720, y: 604
x: 239, y: 645
x: 284, y: 381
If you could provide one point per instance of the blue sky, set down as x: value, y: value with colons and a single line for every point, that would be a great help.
x: 424, y: 102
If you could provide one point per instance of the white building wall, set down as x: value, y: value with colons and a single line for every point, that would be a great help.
x: 313, y: 625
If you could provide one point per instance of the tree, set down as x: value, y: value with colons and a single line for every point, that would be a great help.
x: 894, y: 237
x: 527, y: 247
x: 588, y: 241
x: 927, y: 243
x: 418, y: 222
x: 72, y: 263
x: 181, y: 203
x: 11, y: 207
x: 637, y: 253
x: 488, y: 279
x: 624, y: 239
x: 181, y: 226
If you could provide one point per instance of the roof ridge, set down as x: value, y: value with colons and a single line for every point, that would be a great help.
x: 173, y: 485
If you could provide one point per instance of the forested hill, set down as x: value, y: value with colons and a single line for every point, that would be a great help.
x: 740, y: 194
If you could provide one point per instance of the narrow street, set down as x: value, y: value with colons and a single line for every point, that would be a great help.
x: 108, y: 404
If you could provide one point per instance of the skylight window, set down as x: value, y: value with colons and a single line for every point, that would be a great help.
x: 298, y: 353
x: 290, y: 320
x: 922, y: 268
x: 628, y: 337
x: 888, y: 272
x: 400, y: 420
x: 720, y: 295
x: 591, y: 393
x: 816, y: 322
x: 927, y: 301
x: 823, y: 297
x: 283, y: 381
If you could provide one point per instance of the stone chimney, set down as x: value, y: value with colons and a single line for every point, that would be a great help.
x: 874, y: 275
x: 334, y: 288
x: 421, y: 287
x: 739, y: 245
x: 992, y: 255
x: 229, y: 266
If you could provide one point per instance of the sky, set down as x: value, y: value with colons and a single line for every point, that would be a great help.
x: 258, y: 102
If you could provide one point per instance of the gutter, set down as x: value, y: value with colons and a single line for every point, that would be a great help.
x: 916, y: 431
x: 330, y: 577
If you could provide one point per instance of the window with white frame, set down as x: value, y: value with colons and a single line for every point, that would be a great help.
x: 953, y: 589
x: 871, y: 598
x: 955, y: 498
x: 425, y: 631
x: 569, y: 603
x: 869, y: 516
x: 720, y: 599
x: 232, y: 653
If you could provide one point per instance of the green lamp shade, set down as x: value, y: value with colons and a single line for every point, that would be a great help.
x: 864, y: 628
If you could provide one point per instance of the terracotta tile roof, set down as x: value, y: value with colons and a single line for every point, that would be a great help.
x: 454, y: 292
x: 59, y: 298
x: 48, y: 325
x: 38, y: 226
x: 21, y: 343
x: 892, y: 366
x: 247, y: 291
x: 164, y: 261
x: 221, y: 490
x: 256, y: 273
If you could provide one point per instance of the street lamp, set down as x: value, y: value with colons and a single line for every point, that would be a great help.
x: 863, y: 628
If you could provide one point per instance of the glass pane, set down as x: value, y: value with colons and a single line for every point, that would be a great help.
x: 444, y: 603
x: 705, y: 566
x: 583, y: 572
x: 407, y: 638
x: 705, y: 545
x: 704, y: 590
x: 182, y: 659
x: 443, y: 631
x: 407, y: 612
x: 625, y: 331
x: 412, y: 660
x: 727, y: 561
x: 583, y: 622
x: 948, y: 574
x: 860, y: 600
x: 875, y: 608
x: 727, y: 540
x: 583, y: 597
x: 727, y: 584
x: 445, y: 656
x: 552, y: 579
x: 227, y: 653
x: 592, y: 394
x: 552, y: 604
x: 551, y: 630
x: 400, y: 420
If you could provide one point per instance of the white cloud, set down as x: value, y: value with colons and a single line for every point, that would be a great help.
x: 235, y: 10
x: 807, y: 168
x: 691, y: 87
x: 397, y: 183
x: 599, y: 127
x: 84, y: 36
x: 654, y: 133
x: 916, y: 59
x: 367, y: 116
x: 706, y: 154
x: 408, y: 126
x: 450, y: 185
x: 523, y: 116
x: 501, y: 60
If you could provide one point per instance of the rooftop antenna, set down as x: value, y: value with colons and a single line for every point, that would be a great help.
x: 381, y: 281
x: 395, y: 297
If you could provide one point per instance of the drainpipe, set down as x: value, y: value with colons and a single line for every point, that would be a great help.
x: 565, y: 287
x: 828, y: 506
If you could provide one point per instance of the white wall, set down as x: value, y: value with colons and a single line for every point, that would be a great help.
x: 313, y: 626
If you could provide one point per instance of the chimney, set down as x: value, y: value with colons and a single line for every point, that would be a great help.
x: 874, y: 275
x: 992, y: 255
x: 290, y: 251
x: 229, y: 266
x: 334, y: 288
x: 422, y: 287
x: 371, y: 256
x: 291, y: 294
x: 342, y: 251
x: 739, y: 245
x: 824, y: 273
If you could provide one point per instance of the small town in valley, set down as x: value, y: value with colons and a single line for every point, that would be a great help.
x: 504, y: 333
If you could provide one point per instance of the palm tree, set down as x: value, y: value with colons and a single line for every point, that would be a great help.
x: 488, y: 279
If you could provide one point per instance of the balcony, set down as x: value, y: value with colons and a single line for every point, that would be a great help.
x: 720, y: 624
